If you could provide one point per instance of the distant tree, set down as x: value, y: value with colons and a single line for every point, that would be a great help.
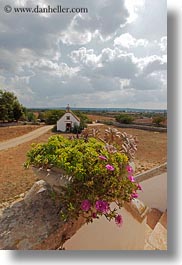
x: 41, y: 116
x: 31, y: 116
x: 17, y: 111
x: 24, y: 115
x: 83, y: 118
x: 124, y: 118
x: 10, y: 108
x: 52, y: 116
x: 158, y: 119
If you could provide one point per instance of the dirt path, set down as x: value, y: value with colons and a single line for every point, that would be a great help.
x: 24, y: 138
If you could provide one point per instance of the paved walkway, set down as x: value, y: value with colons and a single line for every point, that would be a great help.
x: 24, y: 138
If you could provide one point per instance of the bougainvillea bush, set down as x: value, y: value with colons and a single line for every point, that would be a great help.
x: 100, y: 172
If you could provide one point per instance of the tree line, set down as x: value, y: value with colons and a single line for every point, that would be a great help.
x: 10, y: 108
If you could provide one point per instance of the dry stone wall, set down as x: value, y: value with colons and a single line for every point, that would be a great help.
x: 34, y: 222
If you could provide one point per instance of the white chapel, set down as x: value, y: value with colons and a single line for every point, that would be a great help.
x: 67, y: 121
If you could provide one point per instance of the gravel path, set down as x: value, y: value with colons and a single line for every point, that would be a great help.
x: 24, y: 138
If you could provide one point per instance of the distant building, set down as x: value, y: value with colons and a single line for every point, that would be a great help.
x: 67, y: 121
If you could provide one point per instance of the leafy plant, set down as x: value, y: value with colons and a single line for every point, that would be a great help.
x: 78, y: 128
x: 99, y: 174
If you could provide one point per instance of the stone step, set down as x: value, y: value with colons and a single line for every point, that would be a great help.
x: 148, y: 232
x: 163, y: 219
x: 156, y: 237
x: 153, y: 217
x: 148, y: 246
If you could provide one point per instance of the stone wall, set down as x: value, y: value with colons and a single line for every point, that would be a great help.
x: 140, y: 127
x: 34, y: 222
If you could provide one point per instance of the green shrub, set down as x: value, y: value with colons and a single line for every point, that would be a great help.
x: 52, y: 116
x: 158, y: 119
x: 108, y: 122
x: 99, y: 175
x: 54, y: 129
x: 124, y: 118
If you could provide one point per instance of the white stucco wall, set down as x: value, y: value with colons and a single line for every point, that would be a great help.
x: 61, y: 123
x: 105, y: 235
x: 154, y: 193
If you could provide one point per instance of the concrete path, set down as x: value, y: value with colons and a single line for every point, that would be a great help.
x: 24, y: 138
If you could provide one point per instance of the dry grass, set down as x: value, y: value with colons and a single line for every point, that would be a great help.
x: 14, y: 179
x: 7, y: 133
x: 95, y: 118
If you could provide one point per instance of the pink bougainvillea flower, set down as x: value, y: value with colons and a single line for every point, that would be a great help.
x: 134, y: 195
x: 102, y: 206
x: 131, y: 178
x: 94, y: 215
x: 119, y: 220
x: 85, y: 205
x: 139, y: 187
x: 109, y: 167
x: 129, y: 169
x: 102, y: 157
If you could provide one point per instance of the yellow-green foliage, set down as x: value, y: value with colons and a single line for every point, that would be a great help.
x: 97, y: 174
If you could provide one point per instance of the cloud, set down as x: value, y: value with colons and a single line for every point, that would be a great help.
x: 121, y: 66
x: 32, y: 30
x: 103, y: 16
x: 150, y: 82
x: 110, y: 62
x: 153, y: 66
x: 53, y: 68
x: 163, y: 44
x: 71, y: 36
x: 85, y: 56
x: 150, y: 22
x: 126, y: 40
x: 114, y: 55
x: 134, y: 8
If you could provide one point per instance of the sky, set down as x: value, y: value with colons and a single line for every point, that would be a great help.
x: 113, y: 56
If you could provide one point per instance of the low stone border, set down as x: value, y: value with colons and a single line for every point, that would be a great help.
x: 151, y: 173
x: 140, y: 127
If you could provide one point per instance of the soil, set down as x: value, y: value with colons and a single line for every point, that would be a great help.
x: 7, y: 133
x: 95, y: 118
x: 14, y: 179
